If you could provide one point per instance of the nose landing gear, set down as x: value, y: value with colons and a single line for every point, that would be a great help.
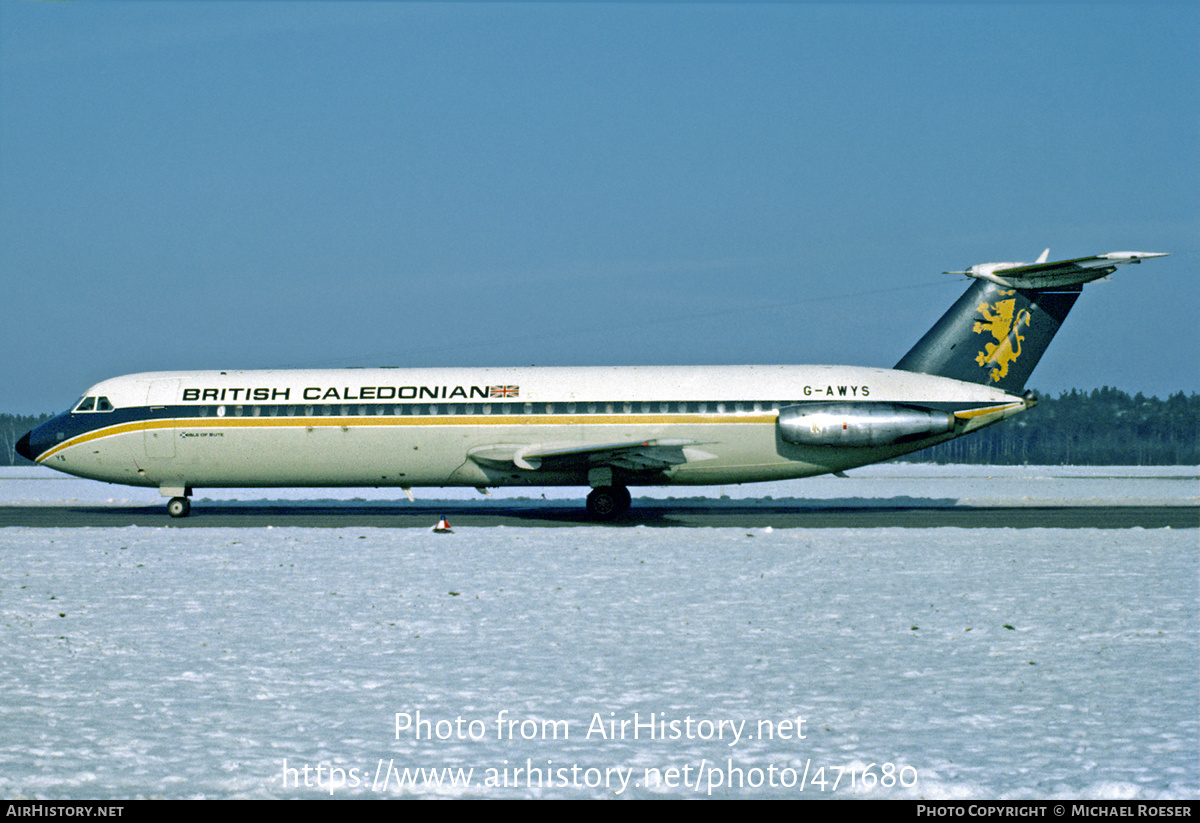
x: 178, y: 505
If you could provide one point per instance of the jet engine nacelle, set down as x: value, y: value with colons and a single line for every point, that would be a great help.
x: 860, y: 424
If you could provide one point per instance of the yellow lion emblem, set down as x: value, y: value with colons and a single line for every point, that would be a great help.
x: 1000, y: 323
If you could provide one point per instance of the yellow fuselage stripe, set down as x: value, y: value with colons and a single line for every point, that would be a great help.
x: 967, y: 415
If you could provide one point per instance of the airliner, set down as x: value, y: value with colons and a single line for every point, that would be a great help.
x: 603, y: 428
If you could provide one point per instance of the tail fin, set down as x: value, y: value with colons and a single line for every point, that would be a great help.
x: 992, y: 335
x: 998, y: 330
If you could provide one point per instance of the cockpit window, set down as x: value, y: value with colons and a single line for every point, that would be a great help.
x: 100, y: 404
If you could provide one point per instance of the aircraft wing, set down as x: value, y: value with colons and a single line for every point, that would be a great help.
x: 1041, y: 275
x: 635, y: 456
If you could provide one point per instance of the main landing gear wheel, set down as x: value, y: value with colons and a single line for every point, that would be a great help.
x: 607, y: 502
x: 179, y: 507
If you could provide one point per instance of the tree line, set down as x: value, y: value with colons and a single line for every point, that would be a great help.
x: 1104, y: 427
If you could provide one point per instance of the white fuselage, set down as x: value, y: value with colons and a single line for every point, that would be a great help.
x: 469, y: 427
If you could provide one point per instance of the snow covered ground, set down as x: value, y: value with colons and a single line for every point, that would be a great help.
x: 595, y: 662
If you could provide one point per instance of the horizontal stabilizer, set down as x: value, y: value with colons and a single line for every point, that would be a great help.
x: 1043, y: 275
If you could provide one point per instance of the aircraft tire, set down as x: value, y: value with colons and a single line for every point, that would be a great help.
x: 607, y: 502
x: 179, y: 507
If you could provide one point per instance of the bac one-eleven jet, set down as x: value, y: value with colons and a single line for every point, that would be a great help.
x: 607, y: 428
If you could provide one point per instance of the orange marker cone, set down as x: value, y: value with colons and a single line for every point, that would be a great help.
x: 442, y: 527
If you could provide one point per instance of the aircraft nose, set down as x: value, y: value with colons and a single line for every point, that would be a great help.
x: 22, y: 447
x: 35, y: 443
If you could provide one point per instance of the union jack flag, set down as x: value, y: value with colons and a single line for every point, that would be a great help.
x: 503, y: 391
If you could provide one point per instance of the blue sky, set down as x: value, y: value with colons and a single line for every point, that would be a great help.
x: 267, y: 185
